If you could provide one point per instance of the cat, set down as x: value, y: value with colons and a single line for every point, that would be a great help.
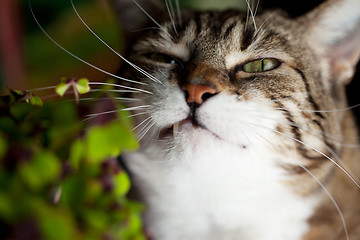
x: 243, y: 121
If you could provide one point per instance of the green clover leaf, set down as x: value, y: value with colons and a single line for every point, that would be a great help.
x: 62, y: 88
x: 82, y: 86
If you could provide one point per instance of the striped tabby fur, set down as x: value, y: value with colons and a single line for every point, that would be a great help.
x: 257, y: 156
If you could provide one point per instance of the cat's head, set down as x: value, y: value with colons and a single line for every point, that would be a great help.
x: 260, y: 82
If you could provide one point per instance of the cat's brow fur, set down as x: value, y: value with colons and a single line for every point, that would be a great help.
x: 275, y: 134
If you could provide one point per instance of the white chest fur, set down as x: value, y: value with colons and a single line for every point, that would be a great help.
x: 216, y: 190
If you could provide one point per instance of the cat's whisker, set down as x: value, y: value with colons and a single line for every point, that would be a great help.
x: 141, y: 123
x: 55, y: 95
x: 156, y: 28
x: 88, y: 117
x: 102, y: 113
x: 151, y: 135
x: 264, y: 22
x: 178, y: 12
x: 246, y: 26
x: 101, y: 90
x: 162, y: 72
x: 338, y: 159
x: 336, y: 205
x: 323, y: 88
x: 314, y: 149
x: 328, y: 148
x: 321, y: 153
x: 262, y: 137
x: 344, y: 144
x: 117, y: 110
x: 71, y: 92
x: 146, y: 13
x: 137, y: 114
x: 252, y: 15
x: 328, y: 136
x: 94, y: 115
x: 332, y: 139
x: 114, y: 90
x: 121, y: 86
x: 170, y: 10
x: 118, y: 54
x: 246, y: 92
x: 70, y: 53
x: 256, y: 7
x: 145, y: 126
x: 144, y: 131
x: 137, y: 108
x: 122, y: 99
x: 243, y: 94
x: 322, y: 111
x: 317, y: 179
x: 41, y: 89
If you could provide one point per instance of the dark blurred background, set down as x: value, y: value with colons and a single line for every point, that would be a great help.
x: 30, y: 60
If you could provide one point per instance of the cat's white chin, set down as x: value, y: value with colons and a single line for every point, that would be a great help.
x: 189, y: 128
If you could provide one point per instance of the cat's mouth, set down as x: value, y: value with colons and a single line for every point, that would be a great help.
x: 173, y: 130
x: 187, y: 124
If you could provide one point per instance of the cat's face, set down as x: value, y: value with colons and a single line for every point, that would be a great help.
x: 243, y: 121
x: 263, y: 85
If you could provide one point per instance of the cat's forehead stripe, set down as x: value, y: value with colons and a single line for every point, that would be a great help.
x: 231, y: 33
x: 206, y: 31
x: 207, y: 25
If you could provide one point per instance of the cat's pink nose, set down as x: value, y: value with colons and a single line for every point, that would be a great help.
x: 198, y: 93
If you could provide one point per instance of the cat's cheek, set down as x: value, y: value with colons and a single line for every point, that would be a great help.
x: 170, y: 110
x: 239, y: 122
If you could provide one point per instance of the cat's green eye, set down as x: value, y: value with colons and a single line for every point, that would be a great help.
x: 161, y: 58
x: 261, y: 65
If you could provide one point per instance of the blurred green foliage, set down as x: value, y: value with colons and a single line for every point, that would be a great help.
x: 59, y: 178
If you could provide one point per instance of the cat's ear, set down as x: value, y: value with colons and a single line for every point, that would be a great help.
x: 134, y: 15
x: 334, y: 29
